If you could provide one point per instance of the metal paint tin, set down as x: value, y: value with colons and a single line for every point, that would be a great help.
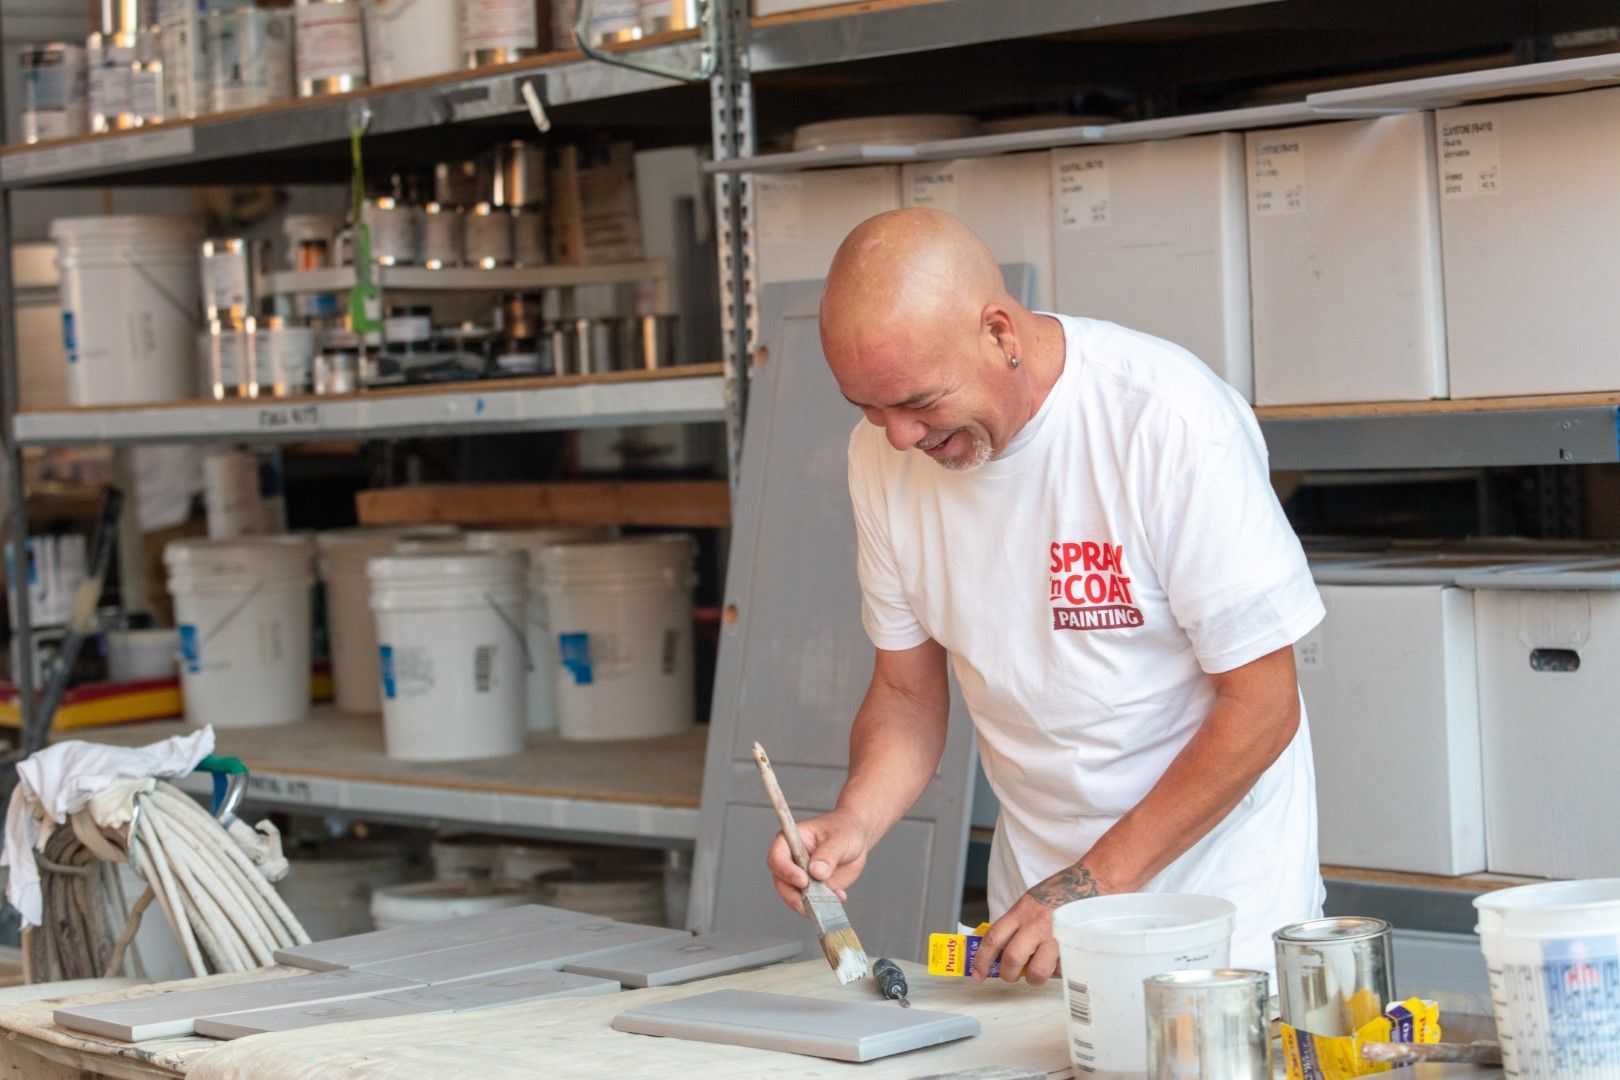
x: 1208, y: 1025
x: 520, y: 174
x: 411, y: 39
x: 529, y: 246
x: 229, y: 366
x: 560, y: 345
x: 488, y: 237
x: 337, y: 366
x: 442, y: 236
x: 614, y: 21
x: 663, y: 16
x: 284, y: 357
x: 458, y: 183
x: 55, y: 91
x: 330, y: 45
x: 652, y: 342
x: 227, y: 279
x: 250, y: 58
x: 146, y: 93
x: 393, y: 231
x: 1334, y: 974
x: 600, y: 344
x: 110, y: 58
x: 498, y: 31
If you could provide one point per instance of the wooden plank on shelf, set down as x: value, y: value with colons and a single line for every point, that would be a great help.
x: 833, y: 10
x: 1473, y: 883
x: 1607, y: 399
x: 685, y: 504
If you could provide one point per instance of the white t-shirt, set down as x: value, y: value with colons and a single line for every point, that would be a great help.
x: 1126, y: 543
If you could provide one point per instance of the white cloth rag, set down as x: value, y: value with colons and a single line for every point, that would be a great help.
x: 61, y: 780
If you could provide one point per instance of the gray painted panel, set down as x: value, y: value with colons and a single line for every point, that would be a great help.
x: 551, y: 948
x: 403, y: 941
x: 667, y: 963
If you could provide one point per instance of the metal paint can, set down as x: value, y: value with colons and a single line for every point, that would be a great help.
x: 614, y: 21
x: 229, y: 366
x: 529, y: 247
x: 663, y: 16
x: 55, y: 92
x: 411, y: 39
x: 498, y: 31
x: 110, y: 58
x: 488, y: 237
x: 393, y: 231
x: 337, y: 366
x: 1333, y: 975
x: 442, y: 236
x: 1208, y: 1023
x: 653, y: 341
x: 560, y: 345
x: 600, y: 344
x: 458, y: 183
x: 285, y: 358
x: 250, y: 58
x: 520, y: 174
x: 330, y: 45
x: 227, y: 279
x: 146, y: 93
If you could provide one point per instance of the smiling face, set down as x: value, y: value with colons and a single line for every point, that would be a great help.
x: 919, y: 333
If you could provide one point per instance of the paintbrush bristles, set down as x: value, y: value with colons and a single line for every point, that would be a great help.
x: 838, y: 941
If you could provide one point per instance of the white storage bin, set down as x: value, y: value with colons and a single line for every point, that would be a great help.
x: 803, y: 217
x: 1152, y: 236
x: 1529, y: 211
x: 1006, y: 200
x: 1344, y: 262
x: 1388, y: 682
x: 1547, y: 643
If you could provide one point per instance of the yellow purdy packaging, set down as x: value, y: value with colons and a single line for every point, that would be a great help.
x: 1335, y: 991
x: 1335, y: 1057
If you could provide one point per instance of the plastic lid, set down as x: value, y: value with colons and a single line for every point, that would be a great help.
x: 1143, y: 923
x: 1205, y: 978
x: 526, y: 540
x: 1346, y: 928
x: 898, y: 129
x: 242, y: 555
x: 430, y: 567
x: 1589, y: 909
x: 632, y: 552
x: 431, y: 901
x: 106, y: 228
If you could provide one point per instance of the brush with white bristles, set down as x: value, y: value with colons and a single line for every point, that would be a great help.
x: 838, y: 941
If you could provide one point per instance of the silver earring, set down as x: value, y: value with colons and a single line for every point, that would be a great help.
x: 1013, y: 360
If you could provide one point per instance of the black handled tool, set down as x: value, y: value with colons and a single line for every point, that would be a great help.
x: 891, y: 981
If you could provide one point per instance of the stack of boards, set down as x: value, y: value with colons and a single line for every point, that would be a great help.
x: 502, y: 958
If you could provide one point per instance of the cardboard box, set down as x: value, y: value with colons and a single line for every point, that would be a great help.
x: 803, y: 217
x: 1344, y: 257
x: 595, y: 217
x: 1389, y: 685
x: 1007, y: 200
x: 1152, y: 236
x: 1529, y: 212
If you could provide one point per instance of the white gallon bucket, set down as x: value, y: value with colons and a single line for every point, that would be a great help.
x: 530, y: 862
x: 541, y: 695
x: 627, y: 897
x: 141, y: 655
x: 476, y: 858
x: 130, y: 307
x: 351, y: 629
x: 435, y: 901
x: 1553, y: 955
x: 1108, y: 945
x: 331, y: 888
x: 450, y: 646
x: 619, y: 636
x: 243, y: 609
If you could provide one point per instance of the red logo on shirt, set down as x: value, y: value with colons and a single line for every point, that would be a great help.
x: 1089, y: 589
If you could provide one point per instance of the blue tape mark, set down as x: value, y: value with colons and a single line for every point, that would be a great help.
x: 70, y: 338
x: 190, y: 649
x: 385, y: 653
x: 576, y: 657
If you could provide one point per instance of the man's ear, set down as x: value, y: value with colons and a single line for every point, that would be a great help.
x: 996, y: 322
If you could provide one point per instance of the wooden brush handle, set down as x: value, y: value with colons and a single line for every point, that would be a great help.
x: 773, y: 791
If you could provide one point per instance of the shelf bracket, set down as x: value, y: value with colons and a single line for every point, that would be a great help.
x: 706, y: 64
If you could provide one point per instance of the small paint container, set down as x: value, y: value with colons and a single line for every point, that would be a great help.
x: 498, y: 31
x: 250, y: 58
x: 1208, y: 1023
x: 111, y: 62
x: 1333, y: 975
x: 55, y: 89
x: 331, y: 46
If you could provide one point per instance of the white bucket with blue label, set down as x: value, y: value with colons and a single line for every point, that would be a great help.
x: 620, y: 636
x: 1553, y: 954
x: 243, y: 610
x: 451, y: 653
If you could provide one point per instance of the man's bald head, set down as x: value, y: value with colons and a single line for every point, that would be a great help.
x: 919, y: 331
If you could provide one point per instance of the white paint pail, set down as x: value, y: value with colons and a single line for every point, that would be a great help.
x: 130, y: 297
x: 411, y: 39
x: 531, y: 862
x: 450, y: 634
x: 351, y: 629
x: 466, y: 856
x: 243, y: 609
x: 620, y: 625
x: 541, y: 695
x: 435, y: 901
x: 330, y: 889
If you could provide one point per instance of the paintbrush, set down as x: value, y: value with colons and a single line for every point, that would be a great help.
x: 838, y: 941
x: 1482, y: 1052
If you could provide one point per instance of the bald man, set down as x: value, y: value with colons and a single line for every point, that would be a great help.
x: 1079, y: 518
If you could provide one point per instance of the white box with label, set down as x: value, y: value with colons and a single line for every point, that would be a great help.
x: 1151, y: 236
x: 803, y: 217
x: 1548, y: 687
x: 1006, y: 200
x: 1344, y: 258
x: 1529, y: 213
x: 1389, y: 687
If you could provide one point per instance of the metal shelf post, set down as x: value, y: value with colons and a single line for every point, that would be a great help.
x: 732, y: 99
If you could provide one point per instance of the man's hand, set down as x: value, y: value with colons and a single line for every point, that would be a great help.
x: 837, y: 843
x: 1022, y: 938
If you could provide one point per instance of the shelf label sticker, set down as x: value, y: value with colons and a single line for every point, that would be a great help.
x: 1082, y: 183
x: 781, y: 209
x: 1470, y: 156
x: 1277, y: 175
x: 933, y: 186
x: 290, y: 418
x: 271, y: 787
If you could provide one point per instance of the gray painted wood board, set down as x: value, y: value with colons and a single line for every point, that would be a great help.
x: 666, y: 963
x: 292, y: 1017
x: 552, y: 948
x: 405, y: 941
x: 166, y: 1015
x: 819, y: 1027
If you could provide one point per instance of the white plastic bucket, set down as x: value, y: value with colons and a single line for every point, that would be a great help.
x: 476, y: 858
x: 450, y: 646
x: 331, y: 888
x: 435, y: 901
x: 1108, y: 945
x: 529, y: 862
x: 351, y: 628
x: 243, y: 609
x: 130, y: 306
x: 627, y: 897
x: 618, y: 635
x: 1553, y: 955
x: 139, y: 655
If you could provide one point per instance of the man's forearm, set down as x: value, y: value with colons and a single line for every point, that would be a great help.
x: 1239, y: 740
x: 894, y: 749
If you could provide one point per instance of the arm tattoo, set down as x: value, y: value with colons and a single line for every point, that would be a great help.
x: 1071, y: 883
